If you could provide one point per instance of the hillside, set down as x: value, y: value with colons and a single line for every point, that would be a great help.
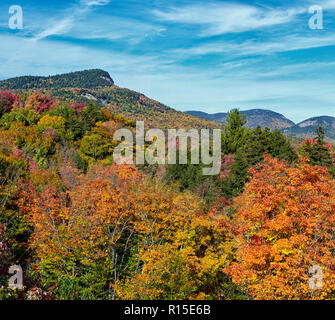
x: 82, y: 79
x: 255, y: 117
x: 98, y: 85
x: 307, y: 128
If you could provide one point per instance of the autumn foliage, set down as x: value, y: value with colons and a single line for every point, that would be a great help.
x: 83, y: 227
x: 39, y: 103
x: 284, y: 224
x: 130, y: 238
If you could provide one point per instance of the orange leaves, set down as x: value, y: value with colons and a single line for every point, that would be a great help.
x: 143, y: 236
x: 283, y: 225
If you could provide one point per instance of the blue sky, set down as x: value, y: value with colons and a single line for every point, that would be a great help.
x: 191, y: 55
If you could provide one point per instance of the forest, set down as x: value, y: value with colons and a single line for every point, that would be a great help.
x: 82, y: 227
x: 84, y: 79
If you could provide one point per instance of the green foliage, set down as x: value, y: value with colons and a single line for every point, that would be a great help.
x: 83, y: 79
x: 318, y: 151
x: 90, y: 116
x: 94, y: 147
x: 24, y: 115
x: 234, y: 134
x: 251, y: 153
x: 72, y: 120
x: 189, y: 176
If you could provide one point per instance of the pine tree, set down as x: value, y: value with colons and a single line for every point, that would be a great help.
x: 235, y: 132
x: 321, y: 153
x: 251, y: 153
x: 318, y: 151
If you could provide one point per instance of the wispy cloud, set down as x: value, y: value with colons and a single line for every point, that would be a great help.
x: 71, y: 16
x: 114, y: 28
x: 91, y: 3
x: 222, y: 18
x: 326, y: 4
x: 297, y: 69
x: 81, y: 22
x: 257, y: 47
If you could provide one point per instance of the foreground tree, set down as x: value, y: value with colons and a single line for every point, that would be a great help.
x: 116, y: 234
x: 284, y: 224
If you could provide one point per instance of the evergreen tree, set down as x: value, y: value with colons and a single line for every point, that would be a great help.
x: 251, y: 153
x: 318, y: 152
x: 235, y: 133
x: 189, y: 176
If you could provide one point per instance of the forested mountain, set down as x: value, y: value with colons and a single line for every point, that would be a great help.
x: 98, y: 86
x: 267, y: 118
x: 254, y: 117
x: 82, y: 79
x: 307, y: 128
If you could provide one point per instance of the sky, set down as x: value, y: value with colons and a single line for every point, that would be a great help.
x: 202, y: 55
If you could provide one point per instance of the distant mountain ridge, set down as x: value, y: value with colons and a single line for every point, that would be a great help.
x: 254, y: 117
x: 271, y: 119
x: 308, y: 127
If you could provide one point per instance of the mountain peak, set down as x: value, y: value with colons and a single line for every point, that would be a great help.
x: 307, y: 128
x: 87, y: 79
x: 254, y: 117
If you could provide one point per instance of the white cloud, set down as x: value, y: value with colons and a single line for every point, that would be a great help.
x: 63, y: 25
x: 222, y: 18
x: 184, y: 88
x: 327, y: 4
x: 47, y: 57
x: 295, y: 69
x: 114, y: 28
x: 81, y: 22
x: 216, y: 89
x: 90, y: 3
x: 255, y: 47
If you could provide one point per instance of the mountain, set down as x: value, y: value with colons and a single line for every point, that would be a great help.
x: 97, y: 85
x: 255, y: 117
x: 267, y: 118
x: 307, y: 128
x: 88, y: 79
x: 217, y: 117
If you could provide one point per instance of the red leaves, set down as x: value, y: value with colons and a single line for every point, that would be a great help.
x: 226, y: 166
x: 79, y: 107
x: 39, y: 103
x: 8, y: 101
